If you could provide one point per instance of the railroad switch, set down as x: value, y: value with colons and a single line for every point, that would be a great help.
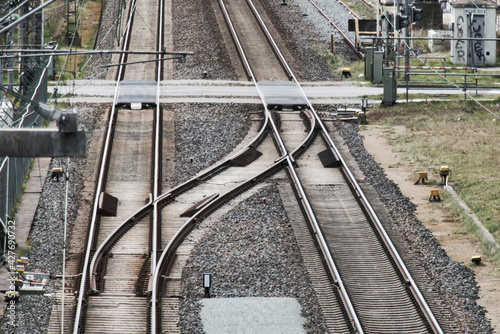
x: 434, y: 196
x: 422, y: 176
x: 445, y: 173
x: 476, y: 259
x: 346, y: 72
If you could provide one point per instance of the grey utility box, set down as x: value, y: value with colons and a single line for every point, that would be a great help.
x: 378, y: 61
x: 369, y: 63
x: 390, y: 86
x: 474, y: 19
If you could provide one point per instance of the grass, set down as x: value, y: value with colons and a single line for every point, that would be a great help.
x: 362, y: 9
x: 55, y: 29
x: 454, y: 133
x: 401, y: 97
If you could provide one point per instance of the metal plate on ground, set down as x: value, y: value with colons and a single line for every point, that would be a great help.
x: 246, y: 157
x: 282, y: 94
x: 328, y: 159
x: 277, y: 315
x: 134, y: 92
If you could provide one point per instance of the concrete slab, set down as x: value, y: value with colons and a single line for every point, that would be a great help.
x: 252, y: 315
x: 137, y: 92
x: 278, y: 93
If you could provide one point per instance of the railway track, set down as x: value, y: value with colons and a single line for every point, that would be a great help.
x: 395, y: 291
x: 130, y: 165
x: 133, y: 262
x: 341, y: 31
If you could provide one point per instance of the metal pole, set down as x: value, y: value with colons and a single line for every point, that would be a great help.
x: 21, y: 19
x: 407, y: 74
x: 64, y: 245
x: 1, y: 79
x: 465, y: 87
x: 7, y: 160
x: 10, y: 63
x: 476, y: 79
x: 407, y: 41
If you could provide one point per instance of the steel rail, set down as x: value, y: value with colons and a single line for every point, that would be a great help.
x: 376, y: 221
x: 306, y: 204
x: 168, y: 253
x: 242, y: 55
x: 232, y: 30
x: 368, y: 208
x: 100, y: 184
x: 290, y: 158
x: 173, y: 243
x: 270, y: 38
x: 113, y: 237
x: 156, y: 233
x: 349, y: 9
x: 162, y: 200
x: 346, y: 39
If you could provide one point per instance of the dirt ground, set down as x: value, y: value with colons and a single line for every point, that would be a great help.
x: 436, y: 217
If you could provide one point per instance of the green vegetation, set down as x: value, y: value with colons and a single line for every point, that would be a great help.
x: 337, y: 62
x: 56, y: 29
x: 362, y: 9
x: 442, y: 97
x: 459, y: 134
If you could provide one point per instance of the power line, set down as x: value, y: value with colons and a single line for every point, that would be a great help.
x: 456, y: 86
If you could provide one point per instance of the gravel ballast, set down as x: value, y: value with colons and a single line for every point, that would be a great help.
x: 453, y: 283
x: 279, y: 269
x: 251, y: 252
x: 47, y: 233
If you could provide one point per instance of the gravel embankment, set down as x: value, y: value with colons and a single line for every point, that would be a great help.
x: 195, y: 29
x: 307, y: 33
x: 207, y: 132
x: 47, y: 233
x: 107, y: 39
x: 286, y: 277
x: 251, y: 252
x: 450, y: 281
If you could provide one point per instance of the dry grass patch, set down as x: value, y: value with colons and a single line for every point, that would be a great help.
x: 457, y: 134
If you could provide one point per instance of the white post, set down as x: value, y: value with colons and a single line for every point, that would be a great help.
x: 64, y: 246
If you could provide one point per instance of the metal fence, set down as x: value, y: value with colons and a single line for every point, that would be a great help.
x: 14, y: 170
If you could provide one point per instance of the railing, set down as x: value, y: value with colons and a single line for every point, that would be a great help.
x: 13, y: 171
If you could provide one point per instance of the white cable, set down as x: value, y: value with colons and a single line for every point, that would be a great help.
x: 456, y: 86
x: 64, y: 244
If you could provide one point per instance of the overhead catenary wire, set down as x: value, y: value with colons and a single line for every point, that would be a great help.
x: 456, y: 86
x: 118, y: 19
x: 77, y: 24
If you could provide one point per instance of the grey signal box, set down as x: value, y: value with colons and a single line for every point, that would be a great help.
x: 378, y: 60
x: 390, y: 86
